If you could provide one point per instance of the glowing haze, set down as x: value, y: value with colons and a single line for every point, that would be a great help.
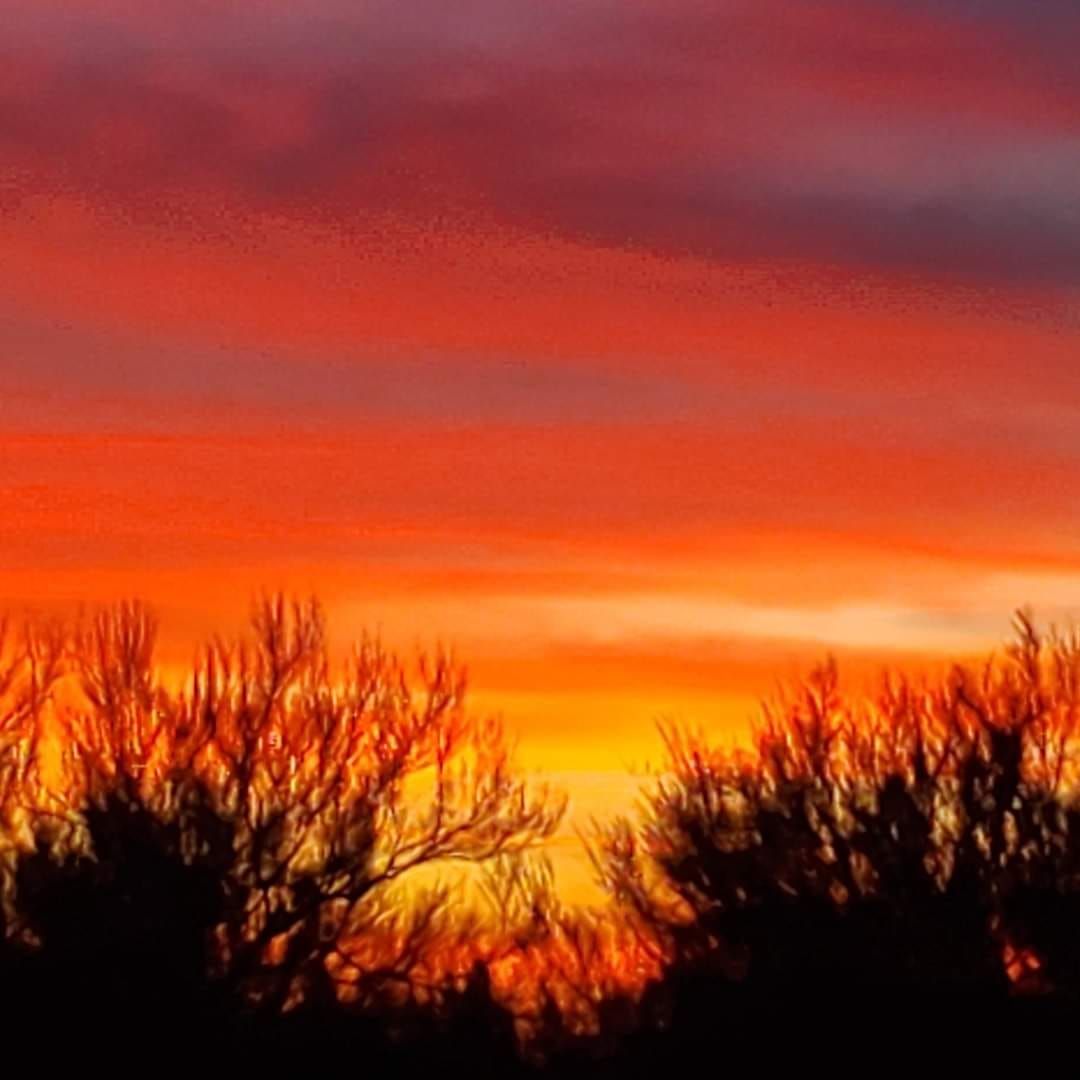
x: 643, y: 351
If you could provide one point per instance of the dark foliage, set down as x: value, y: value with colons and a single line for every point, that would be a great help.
x: 214, y: 874
x: 210, y: 877
x: 905, y: 869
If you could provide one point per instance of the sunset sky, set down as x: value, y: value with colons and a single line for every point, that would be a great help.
x: 643, y: 351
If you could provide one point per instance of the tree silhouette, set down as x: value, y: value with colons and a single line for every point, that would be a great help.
x: 244, y: 847
x: 909, y: 856
x: 243, y: 865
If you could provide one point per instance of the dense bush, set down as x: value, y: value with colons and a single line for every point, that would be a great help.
x: 238, y: 868
x: 229, y: 864
x: 893, y: 864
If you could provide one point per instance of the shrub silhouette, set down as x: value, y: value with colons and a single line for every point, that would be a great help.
x: 227, y: 858
x: 891, y: 862
x: 235, y: 870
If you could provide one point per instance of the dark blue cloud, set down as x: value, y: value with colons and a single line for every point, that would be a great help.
x: 750, y: 130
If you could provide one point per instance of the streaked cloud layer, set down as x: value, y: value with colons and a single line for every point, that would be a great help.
x: 644, y: 350
x: 916, y: 136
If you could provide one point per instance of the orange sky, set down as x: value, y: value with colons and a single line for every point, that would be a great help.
x: 643, y: 352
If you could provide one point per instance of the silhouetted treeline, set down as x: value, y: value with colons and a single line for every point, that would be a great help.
x: 906, y: 867
x: 228, y: 868
x: 244, y: 869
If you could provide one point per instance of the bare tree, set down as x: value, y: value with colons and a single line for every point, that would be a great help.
x: 316, y: 795
x: 32, y: 664
x: 923, y: 837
